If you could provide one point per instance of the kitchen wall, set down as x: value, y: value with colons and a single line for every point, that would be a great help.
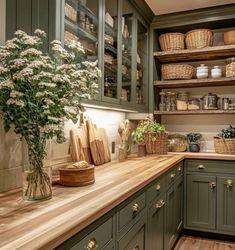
x: 208, y: 125
x: 2, y: 21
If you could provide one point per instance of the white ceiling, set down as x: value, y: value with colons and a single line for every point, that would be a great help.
x: 160, y: 7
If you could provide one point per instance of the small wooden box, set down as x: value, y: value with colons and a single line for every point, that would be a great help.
x: 77, y: 177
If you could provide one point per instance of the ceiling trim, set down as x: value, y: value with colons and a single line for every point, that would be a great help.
x: 144, y: 9
x: 204, y: 15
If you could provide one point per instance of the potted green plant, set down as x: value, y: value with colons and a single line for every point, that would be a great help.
x: 37, y: 93
x: 193, y: 139
x: 147, y: 135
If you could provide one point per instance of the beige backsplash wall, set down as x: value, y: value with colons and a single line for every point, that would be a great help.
x: 58, y: 154
x: 208, y: 125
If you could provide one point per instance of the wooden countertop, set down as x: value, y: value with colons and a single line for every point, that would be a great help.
x: 45, y: 225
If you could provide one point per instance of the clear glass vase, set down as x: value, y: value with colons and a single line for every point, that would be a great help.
x: 37, y: 183
x: 37, y: 178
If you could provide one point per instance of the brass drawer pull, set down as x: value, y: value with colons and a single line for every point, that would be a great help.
x: 92, y: 245
x: 200, y: 167
x: 158, y: 187
x: 212, y: 185
x: 160, y: 204
x: 173, y: 176
x: 135, y: 208
x: 229, y: 183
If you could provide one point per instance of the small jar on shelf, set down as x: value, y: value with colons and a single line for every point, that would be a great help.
x: 162, y: 104
x: 230, y: 67
x: 193, y: 104
x: 182, y: 100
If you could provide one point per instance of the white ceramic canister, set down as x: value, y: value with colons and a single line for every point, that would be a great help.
x: 216, y: 72
x: 202, y: 71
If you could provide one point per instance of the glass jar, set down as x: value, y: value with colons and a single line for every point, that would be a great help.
x: 162, y: 104
x: 168, y: 101
x: 182, y: 100
x: 230, y: 67
x: 173, y: 101
x: 193, y: 104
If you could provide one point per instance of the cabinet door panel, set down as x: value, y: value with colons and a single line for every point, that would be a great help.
x: 170, y: 219
x: 179, y: 204
x: 156, y: 224
x: 135, y: 238
x: 226, y: 204
x: 201, y: 201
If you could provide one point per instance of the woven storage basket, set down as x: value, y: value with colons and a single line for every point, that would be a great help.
x: 171, y: 41
x: 224, y: 146
x: 177, y: 71
x: 199, y: 38
x: 156, y: 143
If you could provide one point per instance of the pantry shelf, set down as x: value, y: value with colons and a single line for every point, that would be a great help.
x: 194, y: 112
x: 208, y: 82
x: 209, y: 53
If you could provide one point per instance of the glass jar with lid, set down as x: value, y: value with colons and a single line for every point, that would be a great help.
x: 182, y: 100
x: 230, y: 67
x: 193, y: 104
x: 162, y: 104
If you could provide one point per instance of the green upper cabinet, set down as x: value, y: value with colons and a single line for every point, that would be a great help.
x: 113, y: 33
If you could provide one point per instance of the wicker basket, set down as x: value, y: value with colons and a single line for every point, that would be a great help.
x: 156, y: 143
x: 199, y: 38
x: 177, y: 71
x: 224, y: 146
x: 171, y: 41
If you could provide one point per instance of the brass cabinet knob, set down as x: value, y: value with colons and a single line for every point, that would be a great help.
x: 158, y: 186
x: 135, y: 207
x: 160, y: 204
x: 173, y: 176
x: 200, y: 166
x: 179, y: 169
x: 212, y: 185
x: 229, y: 183
x: 92, y: 245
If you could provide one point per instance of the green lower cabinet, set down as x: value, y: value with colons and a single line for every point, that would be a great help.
x: 201, y: 201
x: 135, y: 239
x: 226, y: 204
x: 156, y: 220
x: 179, y: 203
x: 170, y: 218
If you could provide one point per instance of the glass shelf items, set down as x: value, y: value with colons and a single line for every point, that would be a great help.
x: 81, y: 24
x: 110, y: 49
x: 141, y: 77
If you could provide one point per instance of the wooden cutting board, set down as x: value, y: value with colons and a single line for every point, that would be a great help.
x: 75, y: 146
x: 96, y: 144
x: 103, y: 136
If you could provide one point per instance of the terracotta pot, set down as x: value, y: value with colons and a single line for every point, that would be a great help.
x: 229, y: 37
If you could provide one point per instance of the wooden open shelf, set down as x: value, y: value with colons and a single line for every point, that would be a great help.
x: 208, y: 82
x: 209, y: 53
x: 194, y: 112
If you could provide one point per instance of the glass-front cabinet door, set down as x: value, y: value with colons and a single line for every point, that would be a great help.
x: 127, y: 50
x: 81, y: 23
x: 142, y: 64
x: 110, y: 59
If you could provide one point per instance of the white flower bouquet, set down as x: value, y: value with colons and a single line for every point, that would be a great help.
x: 37, y: 92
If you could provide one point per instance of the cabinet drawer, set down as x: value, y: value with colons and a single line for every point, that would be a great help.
x: 156, y: 188
x: 100, y: 238
x: 210, y: 166
x: 174, y: 173
x: 131, y: 210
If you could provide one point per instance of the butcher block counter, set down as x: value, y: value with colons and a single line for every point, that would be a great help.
x: 47, y: 224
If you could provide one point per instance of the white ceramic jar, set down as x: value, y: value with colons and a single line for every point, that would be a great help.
x: 216, y: 72
x: 202, y: 71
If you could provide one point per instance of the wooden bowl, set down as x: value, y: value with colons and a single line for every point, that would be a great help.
x: 229, y: 37
x: 77, y: 177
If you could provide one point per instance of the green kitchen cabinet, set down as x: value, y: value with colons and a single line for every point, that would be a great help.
x: 135, y: 238
x: 156, y: 224
x: 201, y: 201
x: 226, y: 204
x: 179, y: 203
